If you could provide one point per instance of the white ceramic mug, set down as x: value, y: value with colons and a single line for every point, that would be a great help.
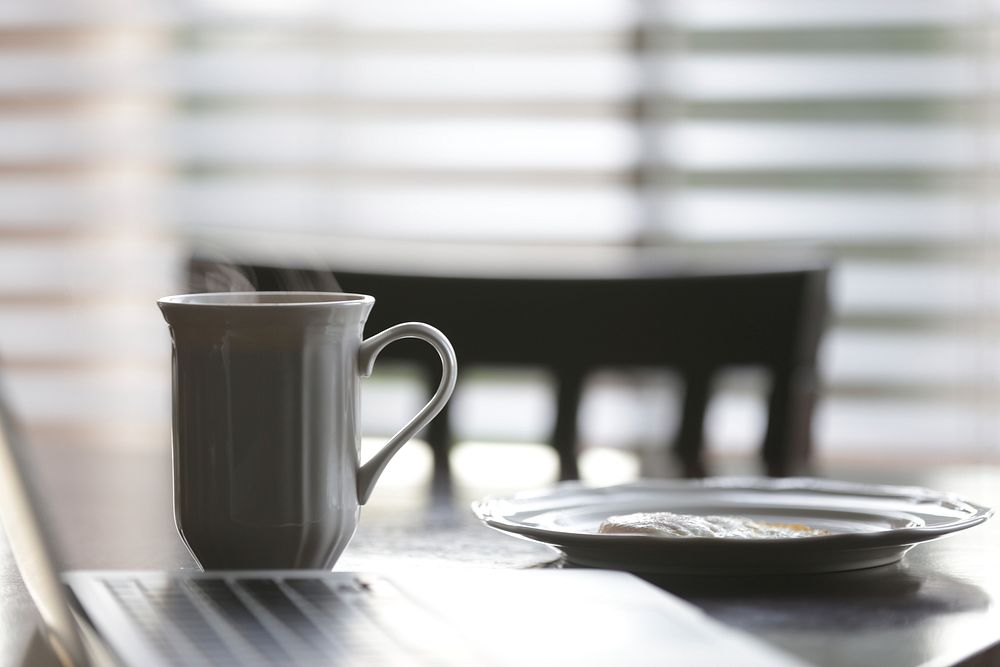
x: 265, y: 423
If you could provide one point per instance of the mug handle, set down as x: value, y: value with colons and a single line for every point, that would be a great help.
x: 369, y: 473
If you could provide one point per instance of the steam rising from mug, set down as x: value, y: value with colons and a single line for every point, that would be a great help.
x: 219, y: 274
x: 265, y: 428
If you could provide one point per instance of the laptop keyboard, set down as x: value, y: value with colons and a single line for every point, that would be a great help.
x: 285, y: 621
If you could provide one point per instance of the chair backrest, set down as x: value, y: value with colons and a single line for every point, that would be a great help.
x: 766, y: 318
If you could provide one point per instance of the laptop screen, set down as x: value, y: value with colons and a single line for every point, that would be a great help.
x: 20, y: 514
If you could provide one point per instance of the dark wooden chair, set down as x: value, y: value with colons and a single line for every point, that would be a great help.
x: 694, y: 322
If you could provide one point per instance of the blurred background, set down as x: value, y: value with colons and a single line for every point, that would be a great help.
x: 135, y: 132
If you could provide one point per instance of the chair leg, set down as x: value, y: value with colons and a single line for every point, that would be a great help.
x: 439, y: 439
x: 689, y: 446
x: 789, y: 426
x: 568, y: 394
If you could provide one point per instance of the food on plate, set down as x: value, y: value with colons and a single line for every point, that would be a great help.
x: 668, y: 524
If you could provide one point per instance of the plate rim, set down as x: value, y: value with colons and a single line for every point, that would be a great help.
x: 975, y: 514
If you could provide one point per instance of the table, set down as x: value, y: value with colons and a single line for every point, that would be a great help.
x: 940, y: 606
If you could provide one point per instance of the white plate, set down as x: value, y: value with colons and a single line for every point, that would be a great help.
x: 870, y: 525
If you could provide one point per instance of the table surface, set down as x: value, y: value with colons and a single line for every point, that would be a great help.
x: 490, y: 260
x: 940, y: 606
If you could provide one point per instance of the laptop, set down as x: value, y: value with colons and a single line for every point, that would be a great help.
x: 434, y: 618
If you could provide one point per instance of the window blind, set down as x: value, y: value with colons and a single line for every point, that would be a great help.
x: 129, y: 128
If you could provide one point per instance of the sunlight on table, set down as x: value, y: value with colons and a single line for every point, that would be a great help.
x: 491, y: 467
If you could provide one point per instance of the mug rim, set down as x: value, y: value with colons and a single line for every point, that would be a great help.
x: 220, y: 299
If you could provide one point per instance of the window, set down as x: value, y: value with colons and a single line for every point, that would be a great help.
x: 130, y: 129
